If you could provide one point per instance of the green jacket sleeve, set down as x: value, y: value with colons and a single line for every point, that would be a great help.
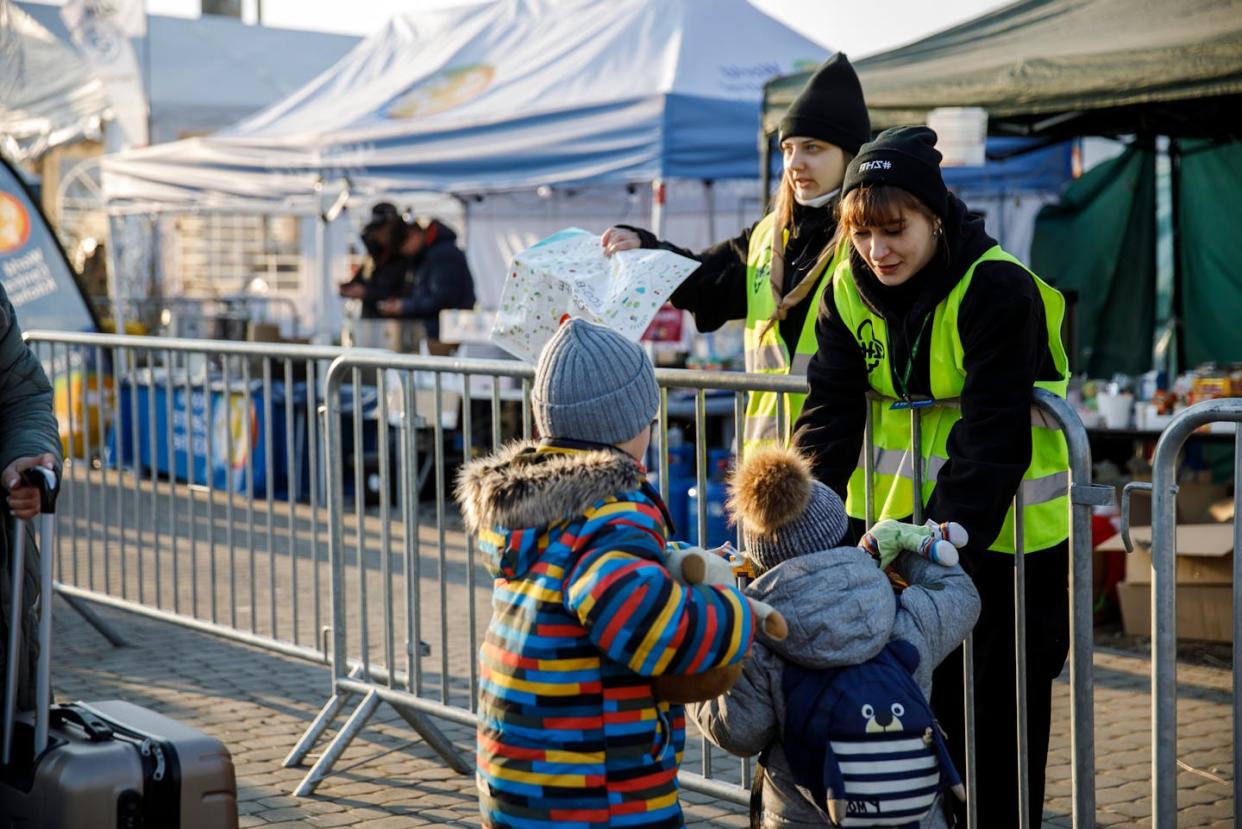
x: 27, y: 422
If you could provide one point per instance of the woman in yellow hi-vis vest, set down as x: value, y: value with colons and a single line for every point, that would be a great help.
x: 927, y: 306
x: 773, y: 274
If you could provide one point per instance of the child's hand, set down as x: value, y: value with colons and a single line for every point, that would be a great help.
x: 934, y: 542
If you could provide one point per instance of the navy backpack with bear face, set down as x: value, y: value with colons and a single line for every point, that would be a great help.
x: 862, y: 742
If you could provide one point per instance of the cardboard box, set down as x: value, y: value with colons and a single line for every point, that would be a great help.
x: 1194, y: 502
x: 1204, y: 611
x: 1204, y: 554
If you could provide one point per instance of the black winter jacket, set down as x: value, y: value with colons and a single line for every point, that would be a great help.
x: 716, y: 291
x: 439, y: 278
x: 1002, y: 328
x: 380, y: 281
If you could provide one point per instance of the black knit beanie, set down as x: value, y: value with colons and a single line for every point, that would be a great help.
x: 830, y: 107
x: 904, y: 157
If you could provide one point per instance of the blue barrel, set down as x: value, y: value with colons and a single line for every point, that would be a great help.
x: 718, y: 529
x: 680, y: 481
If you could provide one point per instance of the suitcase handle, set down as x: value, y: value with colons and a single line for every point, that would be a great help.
x: 96, y: 729
x: 45, y: 481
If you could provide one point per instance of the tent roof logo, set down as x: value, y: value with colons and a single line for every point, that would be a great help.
x: 442, y: 91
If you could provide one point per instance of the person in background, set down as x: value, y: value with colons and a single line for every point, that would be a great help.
x: 773, y: 274
x: 926, y: 305
x: 29, y: 437
x: 436, y: 278
x: 383, y: 275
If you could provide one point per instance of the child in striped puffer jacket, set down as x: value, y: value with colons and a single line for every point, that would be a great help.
x: 586, y: 617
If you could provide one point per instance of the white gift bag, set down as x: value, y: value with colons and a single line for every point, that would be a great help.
x: 567, y: 275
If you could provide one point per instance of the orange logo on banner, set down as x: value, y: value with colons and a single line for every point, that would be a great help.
x: 14, y: 224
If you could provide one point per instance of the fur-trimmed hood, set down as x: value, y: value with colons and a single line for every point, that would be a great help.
x: 524, y: 488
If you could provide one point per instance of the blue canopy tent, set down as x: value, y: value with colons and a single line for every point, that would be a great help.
x: 529, y: 98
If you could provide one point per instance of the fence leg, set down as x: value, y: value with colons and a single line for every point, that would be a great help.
x: 92, y: 618
x: 326, y: 716
x: 339, y: 743
x: 434, y: 737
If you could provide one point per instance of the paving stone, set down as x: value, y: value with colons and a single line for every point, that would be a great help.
x: 334, y: 819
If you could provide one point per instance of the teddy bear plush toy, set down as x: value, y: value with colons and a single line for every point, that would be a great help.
x: 695, y: 566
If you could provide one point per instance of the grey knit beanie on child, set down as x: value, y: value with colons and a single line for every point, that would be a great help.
x: 593, y: 384
x: 783, y: 510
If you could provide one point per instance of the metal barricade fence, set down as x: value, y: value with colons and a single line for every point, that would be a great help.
x: 365, y: 652
x: 1163, y: 489
x: 154, y: 527
x: 171, y: 505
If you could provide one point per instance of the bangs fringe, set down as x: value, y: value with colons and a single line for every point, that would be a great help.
x: 876, y: 206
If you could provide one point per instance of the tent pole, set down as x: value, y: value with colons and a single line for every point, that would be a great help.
x: 114, y: 280
x: 709, y: 196
x: 1175, y: 227
x: 657, y: 207
x: 765, y: 171
x: 324, y: 270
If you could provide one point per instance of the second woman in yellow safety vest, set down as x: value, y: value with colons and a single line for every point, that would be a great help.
x: 773, y: 274
x: 927, y: 306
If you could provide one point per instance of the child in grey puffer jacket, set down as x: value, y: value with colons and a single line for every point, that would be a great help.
x: 841, y: 610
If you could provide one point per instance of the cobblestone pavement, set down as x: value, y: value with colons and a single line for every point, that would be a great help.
x: 259, y: 703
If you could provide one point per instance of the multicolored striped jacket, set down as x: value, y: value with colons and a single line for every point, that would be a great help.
x: 584, y: 614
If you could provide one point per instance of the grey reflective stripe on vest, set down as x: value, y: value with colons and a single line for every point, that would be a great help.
x: 1045, y: 489
x: 800, y: 364
x: 890, y: 462
x: 1034, y: 490
x: 766, y: 357
x: 1042, y: 420
x: 897, y: 463
x: 760, y: 427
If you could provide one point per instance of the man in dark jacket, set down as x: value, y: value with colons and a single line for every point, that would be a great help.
x: 29, y: 437
x: 383, y: 275
x: 437, y: 277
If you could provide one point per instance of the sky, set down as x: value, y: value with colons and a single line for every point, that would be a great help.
x: 857, y: 28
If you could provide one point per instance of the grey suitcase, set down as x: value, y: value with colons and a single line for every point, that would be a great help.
x: 111, y: 765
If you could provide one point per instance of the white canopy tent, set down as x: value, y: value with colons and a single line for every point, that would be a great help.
x: 571, y: 103
x: 205, y: 73
x: 48, y: 96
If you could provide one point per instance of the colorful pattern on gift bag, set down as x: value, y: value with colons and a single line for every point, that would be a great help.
x: 568, y: 275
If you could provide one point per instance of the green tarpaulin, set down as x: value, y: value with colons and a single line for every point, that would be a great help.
x: 1065, y: 67
x: 1099, y: 243
x: 1209, y: 201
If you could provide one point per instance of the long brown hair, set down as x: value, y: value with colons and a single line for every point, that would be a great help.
x: 783, y: 209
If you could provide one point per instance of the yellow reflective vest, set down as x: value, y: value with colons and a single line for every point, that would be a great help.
x: 769, y: 419
x: 1045, y: 485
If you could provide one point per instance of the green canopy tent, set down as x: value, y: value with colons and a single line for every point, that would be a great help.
x: 1058, y: 69
x: 1064, y: 68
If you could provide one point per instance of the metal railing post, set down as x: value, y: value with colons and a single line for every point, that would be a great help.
x: 1164, y: 600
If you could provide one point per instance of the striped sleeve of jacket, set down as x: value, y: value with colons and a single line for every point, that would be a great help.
x: 633, y: 609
